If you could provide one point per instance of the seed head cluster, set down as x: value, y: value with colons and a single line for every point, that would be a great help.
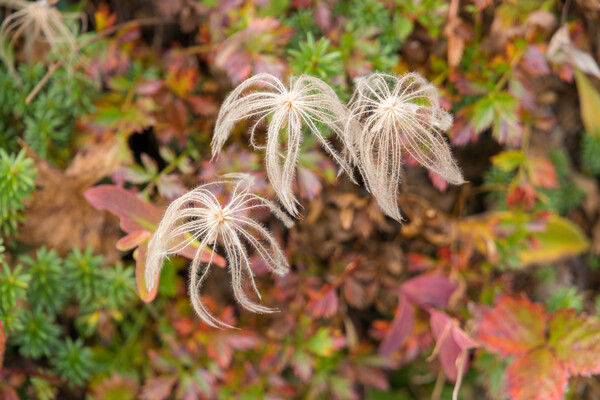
x: 38, y: 21
x: 199, y: 218
x: 388, y: 118
x: 308, y: 103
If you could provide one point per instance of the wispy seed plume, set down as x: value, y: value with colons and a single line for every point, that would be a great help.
x: 37, y: 21
x: 391, y: 115
x: 199, y: 216
x: 308, y: 103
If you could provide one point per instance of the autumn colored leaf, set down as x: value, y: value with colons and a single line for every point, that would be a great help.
x: 2, y: 343
x: 513, y: 326
x: 401, y: 327
x: 432, y: 289
x: 508, y: 160
x: 536, y: 375
x: 589, y: 98
x: 542, y: 173
x: 561, y: 238
x: 158, y: 388
x: 134, y: 213
x: 324, y: 303
x: 452, y: 344
x: 575, y: 341
x: 521, y: 197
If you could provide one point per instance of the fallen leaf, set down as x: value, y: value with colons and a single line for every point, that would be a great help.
x: 158, y: 388
x: 59, y: 216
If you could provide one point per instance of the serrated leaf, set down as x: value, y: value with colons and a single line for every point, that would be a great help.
x: 575, y: 341
x: 536, y: 375
x: 561, y: 238
x: 589, y: 98
x: 513, y: 326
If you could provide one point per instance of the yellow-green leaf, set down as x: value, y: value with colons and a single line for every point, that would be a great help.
x: 508, y: 160
x: 589, y: 99
x: 561, y: 239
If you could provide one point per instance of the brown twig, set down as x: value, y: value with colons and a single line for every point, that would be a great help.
x: 99, y: 35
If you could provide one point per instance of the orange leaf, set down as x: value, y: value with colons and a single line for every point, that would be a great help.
x: 513, y: 326
x: 536, y: 375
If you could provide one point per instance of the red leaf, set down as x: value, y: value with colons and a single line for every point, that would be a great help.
x: 543, y: 173
x: 135, y: 214
x: 513, y: 326
x: 371, y: 376
x: 324, y: 303
x: 536, y: 375
x: 419, y: 262
x: 576, y: 342
x: 522, y: 196
x: 452, y: 344
x: 2, y: 344
x: 140, y: 267
x: 429, y: 289
x: 401, y: 326
x: 157, y: 388
x: 133, y: 240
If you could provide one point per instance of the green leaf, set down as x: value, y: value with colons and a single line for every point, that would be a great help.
x: 561, y: 238
x: 321, y: 343
x: 589, y: 99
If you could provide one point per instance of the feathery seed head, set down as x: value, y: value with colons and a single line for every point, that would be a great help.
x: 393, y: 115
x: 38, y: 21
x: 199, y: 218
x: 308, y: 103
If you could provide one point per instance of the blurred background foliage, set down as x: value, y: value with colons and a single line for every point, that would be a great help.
x: 491, y: 288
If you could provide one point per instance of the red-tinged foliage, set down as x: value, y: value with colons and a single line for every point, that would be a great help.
x: 536, y: 375
x: 575, y: 342
x: 158, y: 388
x: 543, y: 173
x: 400, y: 328
x: 2, y: 343
x: 432, y: 289
x: 522, y: 197
x: 514, y: 326
x: 324, y: 303
x: 452, y: 345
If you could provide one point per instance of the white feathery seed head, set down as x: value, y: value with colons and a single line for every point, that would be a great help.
x: 307, y: 103
x: 391, y: 115
x: 36, y: 21
x: 198, y: 216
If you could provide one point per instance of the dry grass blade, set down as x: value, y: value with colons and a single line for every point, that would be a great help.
x: 307, y: 103
x: 37, y: 22
x: 199, y: 216
x: 391, y: 115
